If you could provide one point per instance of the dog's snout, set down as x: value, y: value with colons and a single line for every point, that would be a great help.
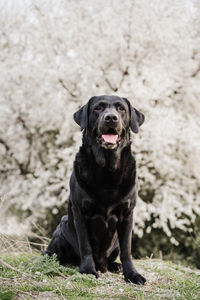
x: 111, y: 118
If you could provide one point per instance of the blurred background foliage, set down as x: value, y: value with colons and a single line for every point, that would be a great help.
x: 55, y: 55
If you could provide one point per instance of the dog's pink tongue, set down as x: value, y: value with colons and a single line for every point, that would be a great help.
x: 110, y: 138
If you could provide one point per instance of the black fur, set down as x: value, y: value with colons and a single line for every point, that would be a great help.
x: 102, y: 191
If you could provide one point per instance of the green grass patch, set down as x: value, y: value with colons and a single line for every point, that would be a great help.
x: 6, y: 294
x: 32, y: 276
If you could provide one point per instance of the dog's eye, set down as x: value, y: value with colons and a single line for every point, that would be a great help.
x: 98, y: 108
x: 121, y: 108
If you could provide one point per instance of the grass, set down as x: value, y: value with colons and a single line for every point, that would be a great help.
x: 31, y: 276
x: 25, y: 274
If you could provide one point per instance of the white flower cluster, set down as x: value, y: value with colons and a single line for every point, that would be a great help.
x: 53, y: 58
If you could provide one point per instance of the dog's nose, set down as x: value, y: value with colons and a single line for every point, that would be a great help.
x: 111, y: 118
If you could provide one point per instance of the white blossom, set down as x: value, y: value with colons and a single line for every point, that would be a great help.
x: 54, y: 57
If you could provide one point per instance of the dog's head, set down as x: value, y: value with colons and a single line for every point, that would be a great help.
x: 108, y: 119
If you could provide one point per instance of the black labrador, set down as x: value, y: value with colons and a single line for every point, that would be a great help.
x: 102, y: 191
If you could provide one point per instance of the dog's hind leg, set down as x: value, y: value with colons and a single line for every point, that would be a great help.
x: 60, y: 245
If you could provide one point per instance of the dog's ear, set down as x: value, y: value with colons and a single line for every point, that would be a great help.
x: 136, y: 117
x: 81, y: 116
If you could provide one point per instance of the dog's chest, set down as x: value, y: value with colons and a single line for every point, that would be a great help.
x: 93, y: 210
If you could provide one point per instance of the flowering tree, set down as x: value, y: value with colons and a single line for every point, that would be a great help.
x: 55, y: 55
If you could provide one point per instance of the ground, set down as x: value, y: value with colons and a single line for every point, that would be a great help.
x: 31, y: 276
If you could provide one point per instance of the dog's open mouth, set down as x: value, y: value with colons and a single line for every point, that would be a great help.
x: 109, y: 140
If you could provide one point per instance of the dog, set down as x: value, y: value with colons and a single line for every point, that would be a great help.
x: 103, y: 191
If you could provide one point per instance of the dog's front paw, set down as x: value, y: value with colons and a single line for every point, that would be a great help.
x: 135, y: 278
x: 114, y: 267
x: 88, y: 269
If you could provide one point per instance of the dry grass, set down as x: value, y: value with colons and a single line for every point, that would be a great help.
x: 25, y: 274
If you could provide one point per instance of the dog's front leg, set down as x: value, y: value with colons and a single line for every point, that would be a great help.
x: 124, y: 229
x: 87, y: 264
